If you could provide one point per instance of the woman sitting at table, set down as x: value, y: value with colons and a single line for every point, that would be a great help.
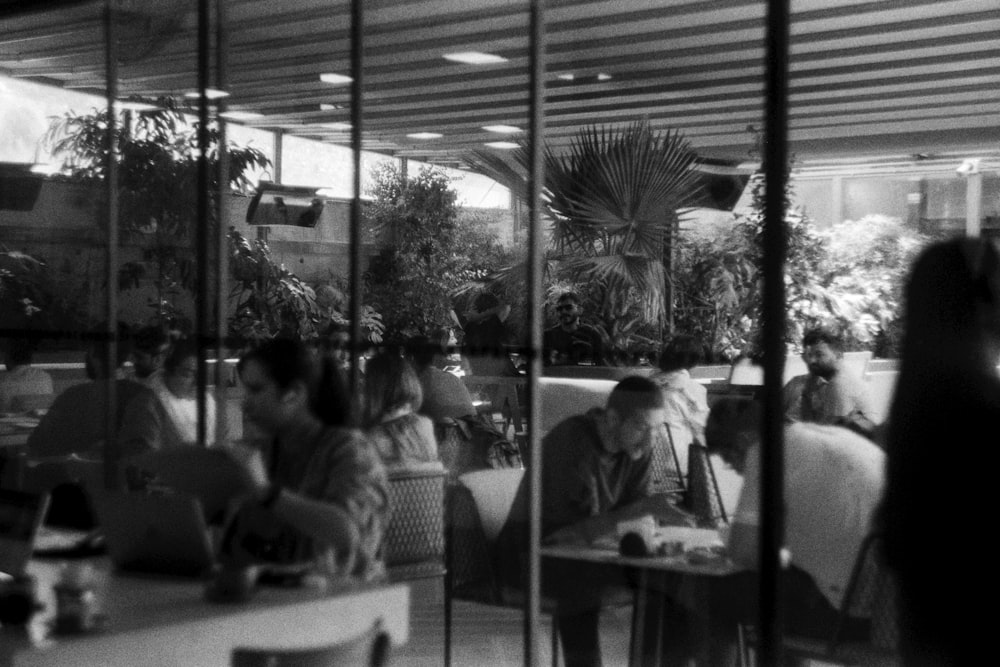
x: 392, y: 395
x: 319, y: 492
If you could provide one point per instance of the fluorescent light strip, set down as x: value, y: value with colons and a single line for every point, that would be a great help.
x: 506, y: 145
x: 241, y: 115
x: 475, y: 58
x: 335, y: 79
x: 210, y: 93
x: 425, y: 135
x: 336, y: 126
x: 502, y: 129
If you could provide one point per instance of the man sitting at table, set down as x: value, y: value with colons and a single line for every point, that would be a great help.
x: 571, y: 341
x: 833, y: 484
x: 829, y: 393
x: 596, y: 471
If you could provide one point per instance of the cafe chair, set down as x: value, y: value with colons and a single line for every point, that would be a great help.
x: 667, y: 477
x: 870, y: 593
x: 703, y: 498
x: 479, y: 504
x: 414, y: 540
x: 372, y: 648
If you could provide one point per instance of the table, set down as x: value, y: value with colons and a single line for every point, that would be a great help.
x: 15, y: 429
x: 165, y: 621
x: 658, y: 577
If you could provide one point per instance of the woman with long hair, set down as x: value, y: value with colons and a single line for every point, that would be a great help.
x: 942, y: 449
x: 319, y: 481
x: 392, y: 397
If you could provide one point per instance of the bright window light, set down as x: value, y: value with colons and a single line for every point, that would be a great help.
x: 502, y: 129
x: 210, y: 93
x: 425, y: 135
x: 506, y: 145
x: 335, y: 79
x: 475, y: 58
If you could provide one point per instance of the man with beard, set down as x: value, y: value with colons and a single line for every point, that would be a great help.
x: 572, y: 342
x: 829, y: 393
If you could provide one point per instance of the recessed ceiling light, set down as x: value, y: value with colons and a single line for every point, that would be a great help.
x: 425, y: 135
x: 502, y: 129
x: 475, y: 58
x: 335, y: 79
x: 601, y: 76
x: 568, y: 76
x: 506, y: 145
x: 210, y: 93
x: 241, y: 115
x: 336, y: 126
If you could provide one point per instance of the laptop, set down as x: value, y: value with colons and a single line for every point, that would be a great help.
x: 157, y: 533
x: 21, y: 515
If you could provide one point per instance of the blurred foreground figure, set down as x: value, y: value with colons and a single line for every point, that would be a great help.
x: 942, y: 447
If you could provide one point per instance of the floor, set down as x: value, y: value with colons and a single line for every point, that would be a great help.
x: 486, y: 636
x: 489, y: 636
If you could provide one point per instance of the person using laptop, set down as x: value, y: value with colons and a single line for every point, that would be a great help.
x: 318, y: 492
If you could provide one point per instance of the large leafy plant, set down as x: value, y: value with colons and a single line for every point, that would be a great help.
x: 613, y: 201
x: 158, y: 180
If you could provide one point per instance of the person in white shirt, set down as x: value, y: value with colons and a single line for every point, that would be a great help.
x: 686, y: 400
x: 834, y: 479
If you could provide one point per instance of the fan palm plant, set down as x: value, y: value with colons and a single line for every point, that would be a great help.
x: 613, y: 200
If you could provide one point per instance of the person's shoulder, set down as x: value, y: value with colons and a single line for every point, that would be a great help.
x: 837, y: 438
x: 797, y: 382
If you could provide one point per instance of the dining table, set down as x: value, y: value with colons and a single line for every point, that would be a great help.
x: 693, y: 562
x: 163, y: 620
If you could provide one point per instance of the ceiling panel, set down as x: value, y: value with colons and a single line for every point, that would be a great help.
x: 899, y: 76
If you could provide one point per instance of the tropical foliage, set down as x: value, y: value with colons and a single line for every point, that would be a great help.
x: 612, y: 202
x: 427, y: 248
x: 269, y: 300
x: 849, y: 276
x: 158, y: 176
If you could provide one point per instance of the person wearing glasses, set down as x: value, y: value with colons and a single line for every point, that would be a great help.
x: 572, y: 342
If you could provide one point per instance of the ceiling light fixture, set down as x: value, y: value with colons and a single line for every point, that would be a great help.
x: 210, y: 93
x: 326, y: 106
x: 502, y: 129
x: 567, y: 76
x: 506, y: 145
x: 475, y: 58
x: 425, y: 135
x: 241, y: 115
x: 335, y: 79
x: 131, y: 105
x: 601, y: 76
x: 344, y: 127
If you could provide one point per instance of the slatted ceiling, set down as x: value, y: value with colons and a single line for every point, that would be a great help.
x: 900, y: 75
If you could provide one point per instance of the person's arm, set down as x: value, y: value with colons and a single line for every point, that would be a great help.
x: 597, y: 528
x: 142, y: 424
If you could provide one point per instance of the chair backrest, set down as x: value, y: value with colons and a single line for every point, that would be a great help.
x: 416, y: 522
x: 29, y: 402
x: 667, y: 475
x: 493, y: 492
x: 703, y: 496
x: 372, y: 648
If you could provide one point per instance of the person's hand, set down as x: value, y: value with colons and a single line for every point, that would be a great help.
x: 251, y: 463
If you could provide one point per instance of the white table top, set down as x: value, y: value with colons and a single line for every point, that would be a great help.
x: 167, y: 621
